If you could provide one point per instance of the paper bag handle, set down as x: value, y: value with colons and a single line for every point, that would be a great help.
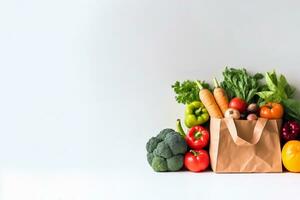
x: 258, y: 130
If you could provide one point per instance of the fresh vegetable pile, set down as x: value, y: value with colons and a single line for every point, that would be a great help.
x: 240, y: 96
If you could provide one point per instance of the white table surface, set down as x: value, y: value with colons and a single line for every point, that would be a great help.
x: 145, y: 184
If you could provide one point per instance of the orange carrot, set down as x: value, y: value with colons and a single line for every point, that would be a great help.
x: 209, y: 102
x: 221, y: 97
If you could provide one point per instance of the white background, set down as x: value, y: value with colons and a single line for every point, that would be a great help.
x: 85, y: 83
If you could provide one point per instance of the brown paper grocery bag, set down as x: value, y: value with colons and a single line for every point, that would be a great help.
x: 245, y: 146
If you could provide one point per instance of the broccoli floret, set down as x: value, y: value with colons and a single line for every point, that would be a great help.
x: 171, y: 134
x: 152, y: 144
x: 163, y: 150
x: 166, y: 151
x: 150, y: 157
x: 162, y: 134
x: 175, y: 163
x: 159, y: 164
x: 176, y: 143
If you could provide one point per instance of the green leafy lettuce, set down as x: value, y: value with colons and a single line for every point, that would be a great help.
x: 279, y: 90
x: 239, y: 83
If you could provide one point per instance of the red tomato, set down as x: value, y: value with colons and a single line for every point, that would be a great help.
x: 238, y: 104
x: 196, y: 160
x: 197, y: 137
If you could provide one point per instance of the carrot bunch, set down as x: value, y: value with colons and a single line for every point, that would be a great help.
x: 216, y: 103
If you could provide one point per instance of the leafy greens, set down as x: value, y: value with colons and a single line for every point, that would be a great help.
x: 187, y: 91
x: 278, y: 88
x: 239, y: 83
x: 280, y: 91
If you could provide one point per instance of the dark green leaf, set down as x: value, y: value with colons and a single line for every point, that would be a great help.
x: 290, y: 91
x: 238, y: 83
x: 187, y: 91
x: 258, y: 76
x: 292, y: 108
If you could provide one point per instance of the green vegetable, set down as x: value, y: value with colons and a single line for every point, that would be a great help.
x: 195, y: 114
x: 174, y: 162
x: 150, y: 157
x: 159, y: 164
x: 292, y: 109
x: 187, y: 91
x: 277, y: 88
x: 165, y: 151
x: 239, y: 83
x: 280, y: 91
x: 176, y: 143
x: 179, y: 128
x: 162, y: 134
x: 152, y: 144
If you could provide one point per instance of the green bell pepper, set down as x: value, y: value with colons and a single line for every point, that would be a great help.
x: 195, y: 114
